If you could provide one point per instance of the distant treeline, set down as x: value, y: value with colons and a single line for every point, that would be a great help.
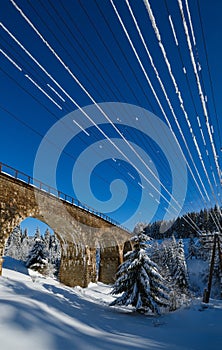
x: 207, y: 220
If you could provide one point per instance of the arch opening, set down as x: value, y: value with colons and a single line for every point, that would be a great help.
x: 35, y: 245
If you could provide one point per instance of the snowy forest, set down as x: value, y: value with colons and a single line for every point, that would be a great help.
x: 166, y: 274
x: 39, y: 252
x: 159, y: 273
x: 180, y: 227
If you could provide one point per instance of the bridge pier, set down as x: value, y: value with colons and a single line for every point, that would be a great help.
x: 78, y: 265
x: 110, y: 259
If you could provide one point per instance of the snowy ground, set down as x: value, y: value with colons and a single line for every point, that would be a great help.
x: 39, y: 313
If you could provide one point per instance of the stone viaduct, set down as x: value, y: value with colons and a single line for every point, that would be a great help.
x: 79, y: 230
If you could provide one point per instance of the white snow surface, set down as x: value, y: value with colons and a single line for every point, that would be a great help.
x: 38, y: 313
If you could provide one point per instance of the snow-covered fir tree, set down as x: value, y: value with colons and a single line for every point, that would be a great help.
x: 14, y: 244
x: 180, y: 277
x: 38, y: 257
x: 47, y: 239
x: 156, y: 252
x: 37, y: 235
x: 164, y: 255
x: 139, y: 280
x: 170, y: 250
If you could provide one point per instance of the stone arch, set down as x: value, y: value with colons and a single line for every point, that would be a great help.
x: 74, y: 264
x: 19, y: 216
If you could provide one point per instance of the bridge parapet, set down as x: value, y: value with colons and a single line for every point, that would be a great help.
x: 16, y: 174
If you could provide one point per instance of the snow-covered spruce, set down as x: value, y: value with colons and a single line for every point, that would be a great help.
x: 38, y: 257
x: 180, y: 275
x: 139, y: 280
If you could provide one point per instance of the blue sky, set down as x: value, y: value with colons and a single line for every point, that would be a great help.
x: 89, y: 40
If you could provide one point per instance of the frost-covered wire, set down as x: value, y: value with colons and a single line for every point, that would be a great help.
x: 199, y: 86
x: 158, y: 36
x: 150, y: 84
x: 42, y: 90
x: 170, y: 106
x: 89, y: 95
x: 11, y: 60
x: 88, y: 117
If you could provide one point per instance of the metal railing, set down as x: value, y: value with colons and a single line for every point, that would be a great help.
x: 19, y: 175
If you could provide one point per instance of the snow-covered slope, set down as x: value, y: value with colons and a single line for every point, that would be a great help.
x: 38, y: 313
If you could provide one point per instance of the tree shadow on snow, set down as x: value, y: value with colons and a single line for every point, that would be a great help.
x: 71, y: 322
x: 15, y: 265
